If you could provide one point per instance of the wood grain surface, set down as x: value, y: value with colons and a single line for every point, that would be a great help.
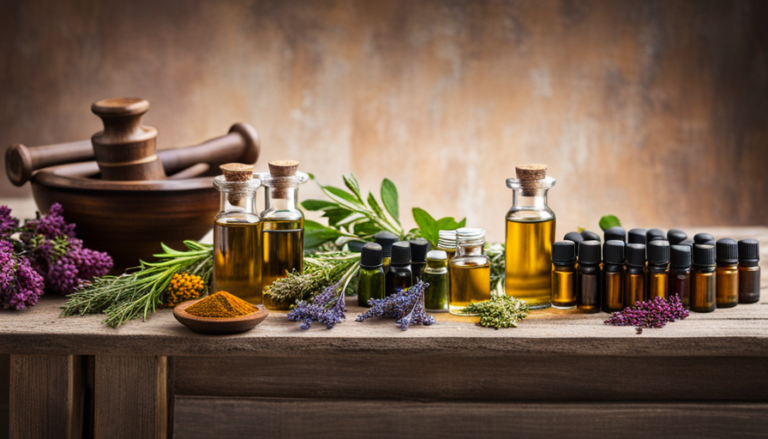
x: 267, y: 417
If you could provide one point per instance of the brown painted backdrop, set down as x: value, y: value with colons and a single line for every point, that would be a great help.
x: 656, y: 111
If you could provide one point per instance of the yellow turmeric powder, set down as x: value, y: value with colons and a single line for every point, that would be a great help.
x: 221, y: 305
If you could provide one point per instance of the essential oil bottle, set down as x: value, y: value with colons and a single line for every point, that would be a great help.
x: 676, y: 236
x: 634, y: 288
x: 419, y: 249
x: 749, y: 271
x: 470, y: 270
x: 655, y: 235
x: 400, y: 275
x: 658, y: 269
x: 703, y: 238
x: 590, y: 236
x: 529, y: 237
x: 282, y: 226
x: 704, y: 280
x: 385, y: 240
x: 237, y: 248
x: 637, y: 236
x: 564, y: 275
x: 680, y: 273
x: 588, y: 298
x: 615, y: 234
x: 371, y: 281
x: 438, y: 292
x: 727, y: 251
x: 613, y: 276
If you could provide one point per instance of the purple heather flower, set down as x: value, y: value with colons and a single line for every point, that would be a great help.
x: 53, y: 224
x: 655, y: 313
x: 8, y: 223
x: 90, y: 263
x: 20, y: 285
x: 405, y: 306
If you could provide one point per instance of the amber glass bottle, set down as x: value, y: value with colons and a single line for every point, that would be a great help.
x: 564, y: 275
x: 588, y: 293
x: 703, y: 284
x: 727, y: 251
x: 470, y: 271
x: 634, y: 288
x: 658, y: 269
x: 613, y: 276
x: 749, y: 271
x: 680, y: 273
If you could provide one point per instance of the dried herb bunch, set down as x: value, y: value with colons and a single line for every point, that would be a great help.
x: 501, y: 311
x: 321, y: 270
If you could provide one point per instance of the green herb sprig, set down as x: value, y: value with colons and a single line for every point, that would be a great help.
x: 499, y: 312
x: 321, y: 270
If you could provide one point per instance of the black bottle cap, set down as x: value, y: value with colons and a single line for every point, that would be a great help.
x: 636, y: 254
x: 749, y: 252
x: 727, y: 251
x: 615, y: 234
x: 704, y: 254
x: 676, y: 236
x: 419, y: 249
x: 688, y: 242
x: 371, y: 256
x: 658, y: 252
x: 591, y: 236
x: 637, y: 236
x: 681, y: 256
x: 704, y: 238
x: 655, y: 235
x: 401, y: 253
x: 589, y: 252
x: 385, y: 240
x: 563, y: 253
x: 614, y: 252
x: 574, y: 237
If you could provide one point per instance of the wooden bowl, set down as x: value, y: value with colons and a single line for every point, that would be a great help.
x: 210, y: 325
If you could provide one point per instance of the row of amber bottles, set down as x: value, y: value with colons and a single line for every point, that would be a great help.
x: 251, y: 250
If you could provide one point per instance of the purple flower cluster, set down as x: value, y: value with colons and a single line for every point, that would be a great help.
x: 406, y: 306
x: 20, y: 285
x: 8, y: 223
x: 654, y: 313
x: 327, y: 308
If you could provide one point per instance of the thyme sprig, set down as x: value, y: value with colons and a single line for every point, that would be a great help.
x: 321, y: 270
x: 501, y: 311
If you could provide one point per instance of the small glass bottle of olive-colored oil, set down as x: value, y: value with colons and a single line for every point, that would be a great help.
x: 613, y: 276
x: 727, y: 251
x: 749, y: 271
x: 704, y: 280
x: 237, y: 235
x: 634, y: 288
x: 680, y: 274
x: 370, y: 284
x: 400, y: 275
x: 419, y: 250
x: 385, y: 240
x: 564, y: 275
x: 588, y: 292
x: 438, y: 293
x: 282, y: 227
x: 529, y: 237
x: 658, y: 269
x: 470, y: 270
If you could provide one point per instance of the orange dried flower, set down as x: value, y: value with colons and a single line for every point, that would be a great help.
x: 184, y: 286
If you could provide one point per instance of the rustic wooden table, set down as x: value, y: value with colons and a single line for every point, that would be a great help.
x: 561, y: 373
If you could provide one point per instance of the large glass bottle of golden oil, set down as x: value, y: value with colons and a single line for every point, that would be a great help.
x: 237, y: 241
x: 530, y: 234
x: 470, y: 271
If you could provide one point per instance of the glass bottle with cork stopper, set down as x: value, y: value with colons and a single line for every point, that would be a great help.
x: 703, y: 281
x: 727, y: 252
x: 634, y: 288
x: 282, y: 226
x: 470, y: 271
x: 438, y: 291
x: 564, y: 275
x: 237, y: 257
x: 530, y: 232
x: 749, y: 271
x: 371, y: 283
x: 680, y: 273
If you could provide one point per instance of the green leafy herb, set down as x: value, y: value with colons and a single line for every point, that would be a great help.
x: 321, y: 270
x: 496, y: 254
x: 609, y: 221
x: 499, y: 312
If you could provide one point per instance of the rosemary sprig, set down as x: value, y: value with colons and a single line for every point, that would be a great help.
x: 320, y: 271
x: 136, y: 294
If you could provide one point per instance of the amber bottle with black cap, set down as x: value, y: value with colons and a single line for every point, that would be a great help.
x: 658, y: 269
x: 637, y: 236
x: 588, y: 293
x: 400, y: 275
x: 676, y: 236
x: 564, y: 275
x: 749, y: 271
x: 727, y: 251
x: 634, y: 289
x: 704, y: 279
x: 655, y: 235
x: 680, y: 273
x: 419, y: 250
x: 613, y: 276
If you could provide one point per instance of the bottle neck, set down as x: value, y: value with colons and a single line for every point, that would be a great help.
x: 470, y: 248
x: 538, y: 201
x: 238, y: 201
x: 281, y: 199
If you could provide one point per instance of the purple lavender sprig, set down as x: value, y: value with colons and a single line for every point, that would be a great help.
x: 327, y: 308
x: 655, y: 313
x: 20, y: 285
x: 405, y: 306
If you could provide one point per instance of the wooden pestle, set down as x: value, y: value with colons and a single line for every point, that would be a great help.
x: 240, y: 145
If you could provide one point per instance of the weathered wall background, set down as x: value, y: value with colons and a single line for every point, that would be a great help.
x: 656, y: 111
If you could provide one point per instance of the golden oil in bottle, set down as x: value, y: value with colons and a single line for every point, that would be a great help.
x: 703, y: 280
x: 237, y: 258
x: 658, y: 269
x: 283, y: 244
x: 749, y: 271
x: 634, y: 278
x: 470, y: 271
x: 727, y: 251
x: 564, y: 275
x: 613, y: 276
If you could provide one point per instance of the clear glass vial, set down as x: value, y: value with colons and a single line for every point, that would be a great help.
x: 634, y: 288
x: 613, y: 276
x: 237, y: 251
x: 588, y: 294
x: 703, y: 284
x: 530, y: 232
x: 749, y: 271
x: 438, y: 291
x: 727, y: 251
x: 680, y: 273
x: 564, y: 275
x: 370, y: 283
x: 470, y: 271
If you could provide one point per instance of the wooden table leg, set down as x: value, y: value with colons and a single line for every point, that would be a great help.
x: 46, y: 396
x: 130, y: 397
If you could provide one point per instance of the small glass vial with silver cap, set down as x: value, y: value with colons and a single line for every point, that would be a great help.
x: 470, y: 271
x: 438, y: 292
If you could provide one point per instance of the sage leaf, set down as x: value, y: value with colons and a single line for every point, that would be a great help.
x: 427, y: 225
x: 316, y: 234
x: 354, y: 186
x: 609, y: 221
x: 340, y: 193
x: 314, y: 205
x: 375, y: 206
x: 389, y: 198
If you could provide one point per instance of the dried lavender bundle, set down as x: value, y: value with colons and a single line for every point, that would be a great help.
x: 654, y: 313
x: 406, y: 306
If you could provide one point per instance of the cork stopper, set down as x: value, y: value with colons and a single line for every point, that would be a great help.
x: 237, y: 171
x: 283, y: 168
x: 529, y: 175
